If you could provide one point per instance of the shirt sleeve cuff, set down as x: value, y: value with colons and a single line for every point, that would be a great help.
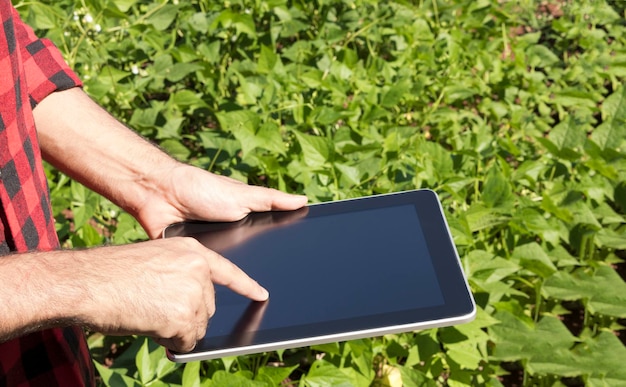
x: 46, y: 71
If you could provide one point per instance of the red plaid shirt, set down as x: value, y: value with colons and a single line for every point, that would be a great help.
x: 30, y: 69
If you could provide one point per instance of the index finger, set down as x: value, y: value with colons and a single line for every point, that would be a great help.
x: 226, y: 273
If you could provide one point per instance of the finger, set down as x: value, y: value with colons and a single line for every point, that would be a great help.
x: 206, y: 314
x: 177, y: 344
x: 201, y: 330
x: 226, y: 273
x: 268, y: 199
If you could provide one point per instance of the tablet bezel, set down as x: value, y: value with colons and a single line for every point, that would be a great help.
x: 458, y: 307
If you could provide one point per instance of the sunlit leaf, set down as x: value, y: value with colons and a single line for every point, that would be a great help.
x: 163, y: 17
x: 532, y: 257
x: 325, y: 374
x: 603, y: 290
x: 497, y: 191
x: 546, y: 343
x: 315, y: 150
x: 612, y: 132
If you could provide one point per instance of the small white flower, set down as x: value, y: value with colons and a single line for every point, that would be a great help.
x: 88, y: 18
x: 134, y: 69
x: 97, y: 28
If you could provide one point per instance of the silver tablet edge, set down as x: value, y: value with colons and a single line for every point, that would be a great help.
x: 187, y: 357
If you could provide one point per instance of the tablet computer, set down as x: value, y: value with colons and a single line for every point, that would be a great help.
x: 335, y: 271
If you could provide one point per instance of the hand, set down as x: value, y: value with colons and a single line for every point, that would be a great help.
x: 188, y: 193
x: 162, y: 289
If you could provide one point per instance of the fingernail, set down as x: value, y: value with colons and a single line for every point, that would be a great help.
x: 264, y: 294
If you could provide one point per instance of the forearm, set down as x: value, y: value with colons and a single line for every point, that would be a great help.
x: 81, y: 139
x: 38, y: 291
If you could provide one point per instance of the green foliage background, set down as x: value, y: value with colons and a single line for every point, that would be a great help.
x: 512, y: 111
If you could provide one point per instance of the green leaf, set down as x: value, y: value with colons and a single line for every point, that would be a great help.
x: 574, y: 98
x: 243, y: 23
x: 488, y: 267
x: 187, y: 98
x: 128, y: 230
x: 124, y: 5
x: 144, y: 364
x: 539, y: 55
x: 497, y: 190
x: 163, y: 17
x: 600, y: 358
x: 351, y: 175
x: 269, y: 138
x: 394, y: 94
x: 414, y: 378
x: 274, y: 376
x: 199, y: 22
x: 316, y: 150
x: 164, y: 366
x: 602, y: 289
x: 612, y: 132
x: 267, y: 60
x: 90, y: 236
x: 176, y: 149
x: 180, y: 70
x: 481, y: 218
x: 191, y: 374
x: 210, y: 52
x: 568, y: 138
x: 611, y: 239
x: 545, y: 343
x: 116, y: 377
x: 42, y: 16
x: 456, y: 93
x: 111, y: 76
x: 325, y: 115
x: 466, y: 354
x: 325, y: 374
x: 532, y: 257
x: 243, y: 124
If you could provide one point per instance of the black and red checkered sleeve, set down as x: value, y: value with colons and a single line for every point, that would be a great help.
x: 46, y: 70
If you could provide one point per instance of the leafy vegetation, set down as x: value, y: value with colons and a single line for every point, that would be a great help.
x: 512, y: 111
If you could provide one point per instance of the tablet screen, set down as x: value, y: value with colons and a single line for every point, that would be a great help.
x: 335, y: 268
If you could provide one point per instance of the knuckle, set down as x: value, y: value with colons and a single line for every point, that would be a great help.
x: 191, y: 243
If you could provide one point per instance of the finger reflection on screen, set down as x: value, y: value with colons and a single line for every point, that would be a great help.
x: 244, y: 331
x: 227, y: 235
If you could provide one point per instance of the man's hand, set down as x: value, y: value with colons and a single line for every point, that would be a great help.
x: 162, y: 289
x: 188, y: 193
